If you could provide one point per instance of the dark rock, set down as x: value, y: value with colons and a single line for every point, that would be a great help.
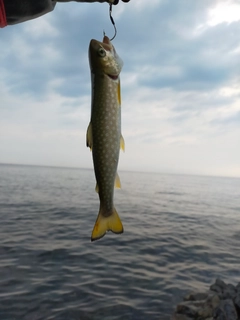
x: 196, y: 296
x: 187, y: 308
x: 213, y: 300
x: 238, y: 287
x: 213, y: 293
x: 221, y: 302
x: 205, y: 312
x: 220, y: 286
x: 231, y: 287
x: 225, y: 311
x: 178, y: 316
x: 237, y: 303
x: 229, y: 292
x: 220, y: 283
x: 216, y: 288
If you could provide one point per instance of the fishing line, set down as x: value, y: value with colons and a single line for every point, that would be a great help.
x: 113, y: 23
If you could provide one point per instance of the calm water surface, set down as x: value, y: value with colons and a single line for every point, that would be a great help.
x: 181, y: 232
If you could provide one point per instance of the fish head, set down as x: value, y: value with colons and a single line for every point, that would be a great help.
x: 103, y: 58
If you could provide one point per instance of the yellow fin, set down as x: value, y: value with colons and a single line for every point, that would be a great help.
x: 119, y: 93
x: 104, y: 224
x: 97, y: 188
x: 117, y: 182
x: 122, y: 143
x: 89, y: 136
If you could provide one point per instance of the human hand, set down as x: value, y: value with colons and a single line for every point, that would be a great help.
x: 114, y: 2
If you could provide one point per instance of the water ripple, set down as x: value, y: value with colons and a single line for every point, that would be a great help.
x: 180, y: 234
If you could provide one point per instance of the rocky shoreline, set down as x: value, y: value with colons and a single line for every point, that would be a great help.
x: 220, y: 302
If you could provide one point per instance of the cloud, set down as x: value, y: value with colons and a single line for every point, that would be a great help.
x: 180, y: 85
x: 224, y: 11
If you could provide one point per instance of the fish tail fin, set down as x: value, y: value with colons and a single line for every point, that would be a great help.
x: 104, y: 224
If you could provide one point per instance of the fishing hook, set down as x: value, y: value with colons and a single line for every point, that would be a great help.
x: 113, y: 23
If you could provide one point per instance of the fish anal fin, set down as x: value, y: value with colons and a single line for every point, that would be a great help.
x: 122, y: 143
x: 104, y: 224
x: 117, y: 182
x: 89, y: 136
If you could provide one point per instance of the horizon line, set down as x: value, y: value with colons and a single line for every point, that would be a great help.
x: 122, y: 170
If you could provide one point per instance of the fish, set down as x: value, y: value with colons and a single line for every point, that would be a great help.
x: 104, y: 136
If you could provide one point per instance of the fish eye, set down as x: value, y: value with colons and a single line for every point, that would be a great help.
x: 101, y: 52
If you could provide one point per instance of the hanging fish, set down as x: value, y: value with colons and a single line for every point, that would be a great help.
x: 104, y: 131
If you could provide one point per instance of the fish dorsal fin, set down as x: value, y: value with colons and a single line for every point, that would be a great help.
x: 89, y: 136
x: 122, y: 143
x: 117, y: 182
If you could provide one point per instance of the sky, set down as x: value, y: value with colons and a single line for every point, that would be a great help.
x: 180, y: 85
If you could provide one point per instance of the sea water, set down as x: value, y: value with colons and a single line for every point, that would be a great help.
x: 180, y: 233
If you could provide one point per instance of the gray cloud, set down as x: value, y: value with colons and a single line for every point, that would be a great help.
x: 172, y: 40
x: 163, y: 38
x: 179, y: 84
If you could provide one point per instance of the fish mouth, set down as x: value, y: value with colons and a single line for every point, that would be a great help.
x: 113, y: 77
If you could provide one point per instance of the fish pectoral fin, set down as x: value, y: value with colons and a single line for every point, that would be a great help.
x: 119, y: 93
x: 122, y: 143
x: 89, y: 136
x: 117, y: 182
x: 104, y: 224
x: 97, y: 188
